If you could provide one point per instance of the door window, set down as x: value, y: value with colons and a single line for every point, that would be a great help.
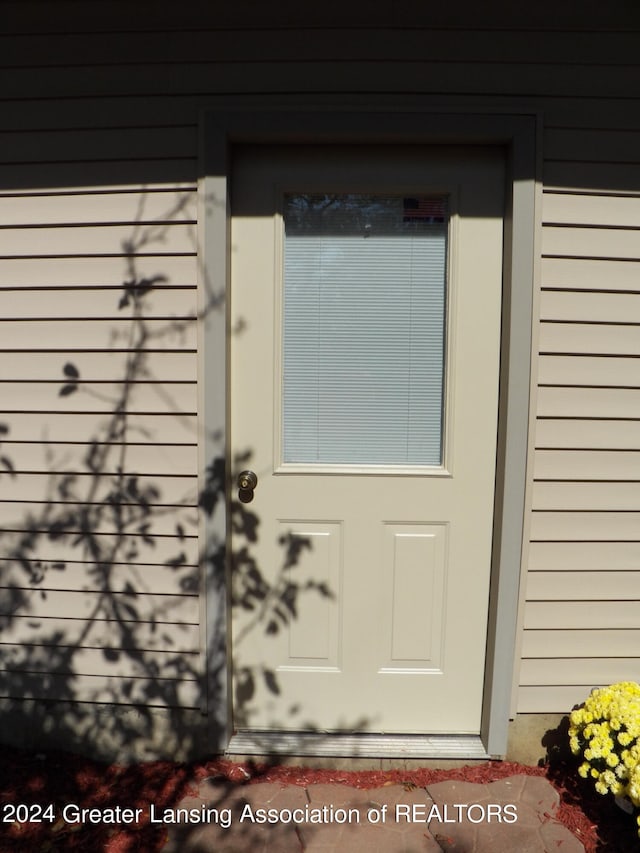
x: 364, y: 328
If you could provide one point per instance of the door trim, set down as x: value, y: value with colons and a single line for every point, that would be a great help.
x: 519, y: 134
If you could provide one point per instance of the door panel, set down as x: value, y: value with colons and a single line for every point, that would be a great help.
x: 370, y: 526
x: 411, y: 629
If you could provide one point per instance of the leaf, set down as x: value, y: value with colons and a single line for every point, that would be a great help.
x: 147, y: 284
x: 279, y: 612
x: 129, y: 611
x: 57, y: 530
x: 271, y: 681
x: 288, y: 598
x: 65, y: 485
x: 143, y: 530
x: 66, y: 390
x: 245, y: 686
x: 71, y: 371
x: 136, y: 289
x: 8, y: 464
x: 321, y: 587
x: 214, y: 487
x: 189, y: 584
x: 92, y: 459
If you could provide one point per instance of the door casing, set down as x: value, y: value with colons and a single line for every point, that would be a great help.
x: 518, y: 134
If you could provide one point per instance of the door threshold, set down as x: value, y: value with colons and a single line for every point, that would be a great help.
x: 357, y: 745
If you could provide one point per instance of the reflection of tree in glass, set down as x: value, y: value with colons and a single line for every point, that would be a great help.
x: 357, y: 214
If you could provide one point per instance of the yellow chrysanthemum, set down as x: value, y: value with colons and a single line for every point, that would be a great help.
x: 605, y: 731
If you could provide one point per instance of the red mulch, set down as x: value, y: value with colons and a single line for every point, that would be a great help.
x: 60, y: 778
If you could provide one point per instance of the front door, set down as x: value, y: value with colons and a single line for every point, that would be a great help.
x: 365, y: 333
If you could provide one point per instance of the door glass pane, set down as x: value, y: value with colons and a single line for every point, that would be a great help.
x: 364, y: 328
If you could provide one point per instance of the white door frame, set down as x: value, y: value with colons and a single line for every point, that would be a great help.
x: 518, y: 135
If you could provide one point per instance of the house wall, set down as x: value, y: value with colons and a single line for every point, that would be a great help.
x: 98, y: 178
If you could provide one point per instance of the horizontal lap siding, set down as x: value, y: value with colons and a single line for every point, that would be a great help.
x: 123, y: 608
x: 98, y: 141
x: 148, y: 579
x: 581, y: 625
x: 40, y: 683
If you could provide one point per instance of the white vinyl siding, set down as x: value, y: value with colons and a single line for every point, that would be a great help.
x: 64, y: 261
x: 581, y: 617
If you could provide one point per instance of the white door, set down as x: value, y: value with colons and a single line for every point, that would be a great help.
x: 365, y: 331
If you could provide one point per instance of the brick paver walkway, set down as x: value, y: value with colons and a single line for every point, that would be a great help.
x: 515, y: 814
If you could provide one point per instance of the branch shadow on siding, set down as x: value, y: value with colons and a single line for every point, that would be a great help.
x: 103, y: 571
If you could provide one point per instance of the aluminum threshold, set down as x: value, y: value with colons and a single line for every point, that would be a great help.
x: 357, y: 745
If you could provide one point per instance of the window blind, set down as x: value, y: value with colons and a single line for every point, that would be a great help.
x: 364, y: 329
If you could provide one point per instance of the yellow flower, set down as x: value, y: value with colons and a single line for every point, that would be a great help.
x: 576, y: 716
x: 606, y: 731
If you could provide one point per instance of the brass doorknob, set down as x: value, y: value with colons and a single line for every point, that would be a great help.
x: 247, y: 481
